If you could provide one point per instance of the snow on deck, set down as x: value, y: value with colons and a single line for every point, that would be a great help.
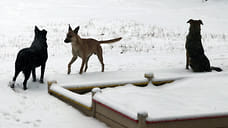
x: 191, y: 97
x: 198, y: 94
x: 94, y: 79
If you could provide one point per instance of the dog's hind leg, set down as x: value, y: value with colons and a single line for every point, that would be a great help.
x: 34, y: 74
x: 42, y: 73
x: 27, y: 75
x: 100, y: 57
x: 70, y: 63
x: 15, y: 77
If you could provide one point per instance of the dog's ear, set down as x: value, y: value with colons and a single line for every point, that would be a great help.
x: 36, y: 29
x: 190, y: 21
x: 70, y: 29
x: 44, y: 32
x: 201, y: 22
x: 76, y: 30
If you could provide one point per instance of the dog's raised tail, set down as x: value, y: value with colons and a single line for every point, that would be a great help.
x: 110, y: 41
x: 216, y: 69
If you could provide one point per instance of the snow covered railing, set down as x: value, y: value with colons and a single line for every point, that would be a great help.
x: 80, y: 102
x: 86, y: 87
x: 77, y: 98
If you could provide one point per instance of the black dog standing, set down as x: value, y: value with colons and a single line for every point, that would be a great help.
x: 195, y: 56
x: 30, y: 58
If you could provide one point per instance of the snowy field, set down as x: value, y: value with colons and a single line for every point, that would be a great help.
x: 153, y: 34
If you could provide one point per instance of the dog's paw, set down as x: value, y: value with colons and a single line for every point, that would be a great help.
x: 68, y: 72
x: 41, y: 81
x: 11, y: 84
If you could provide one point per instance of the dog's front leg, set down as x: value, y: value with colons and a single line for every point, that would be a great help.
x: 86, y: 62
x: 34, y: 75
x: 187, y: 60
x: 70, y: 63
x: 82, y: 66
x: 42, y: 73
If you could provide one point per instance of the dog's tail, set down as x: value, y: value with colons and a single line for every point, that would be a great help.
x: 110, y: 41
x: 216, y: 69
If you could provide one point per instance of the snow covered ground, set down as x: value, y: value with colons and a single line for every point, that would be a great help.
x: 153, y: 40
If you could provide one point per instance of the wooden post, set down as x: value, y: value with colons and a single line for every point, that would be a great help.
x: 142, y: 119
x: 150, y: 77
x: 50, y: 83
x: 94, y: 91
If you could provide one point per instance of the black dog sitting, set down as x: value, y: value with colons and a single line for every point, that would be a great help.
x: 30, y: 58
x: 195, y: 56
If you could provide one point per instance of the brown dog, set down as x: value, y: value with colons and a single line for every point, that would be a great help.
x: 84, y: 48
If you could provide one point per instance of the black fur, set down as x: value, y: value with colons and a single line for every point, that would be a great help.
x: 196, y: 58
x: 30, y: 58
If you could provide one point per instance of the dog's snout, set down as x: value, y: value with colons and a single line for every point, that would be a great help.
x: 66, y: 40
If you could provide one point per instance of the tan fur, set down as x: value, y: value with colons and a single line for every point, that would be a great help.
x: 84, y: 48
